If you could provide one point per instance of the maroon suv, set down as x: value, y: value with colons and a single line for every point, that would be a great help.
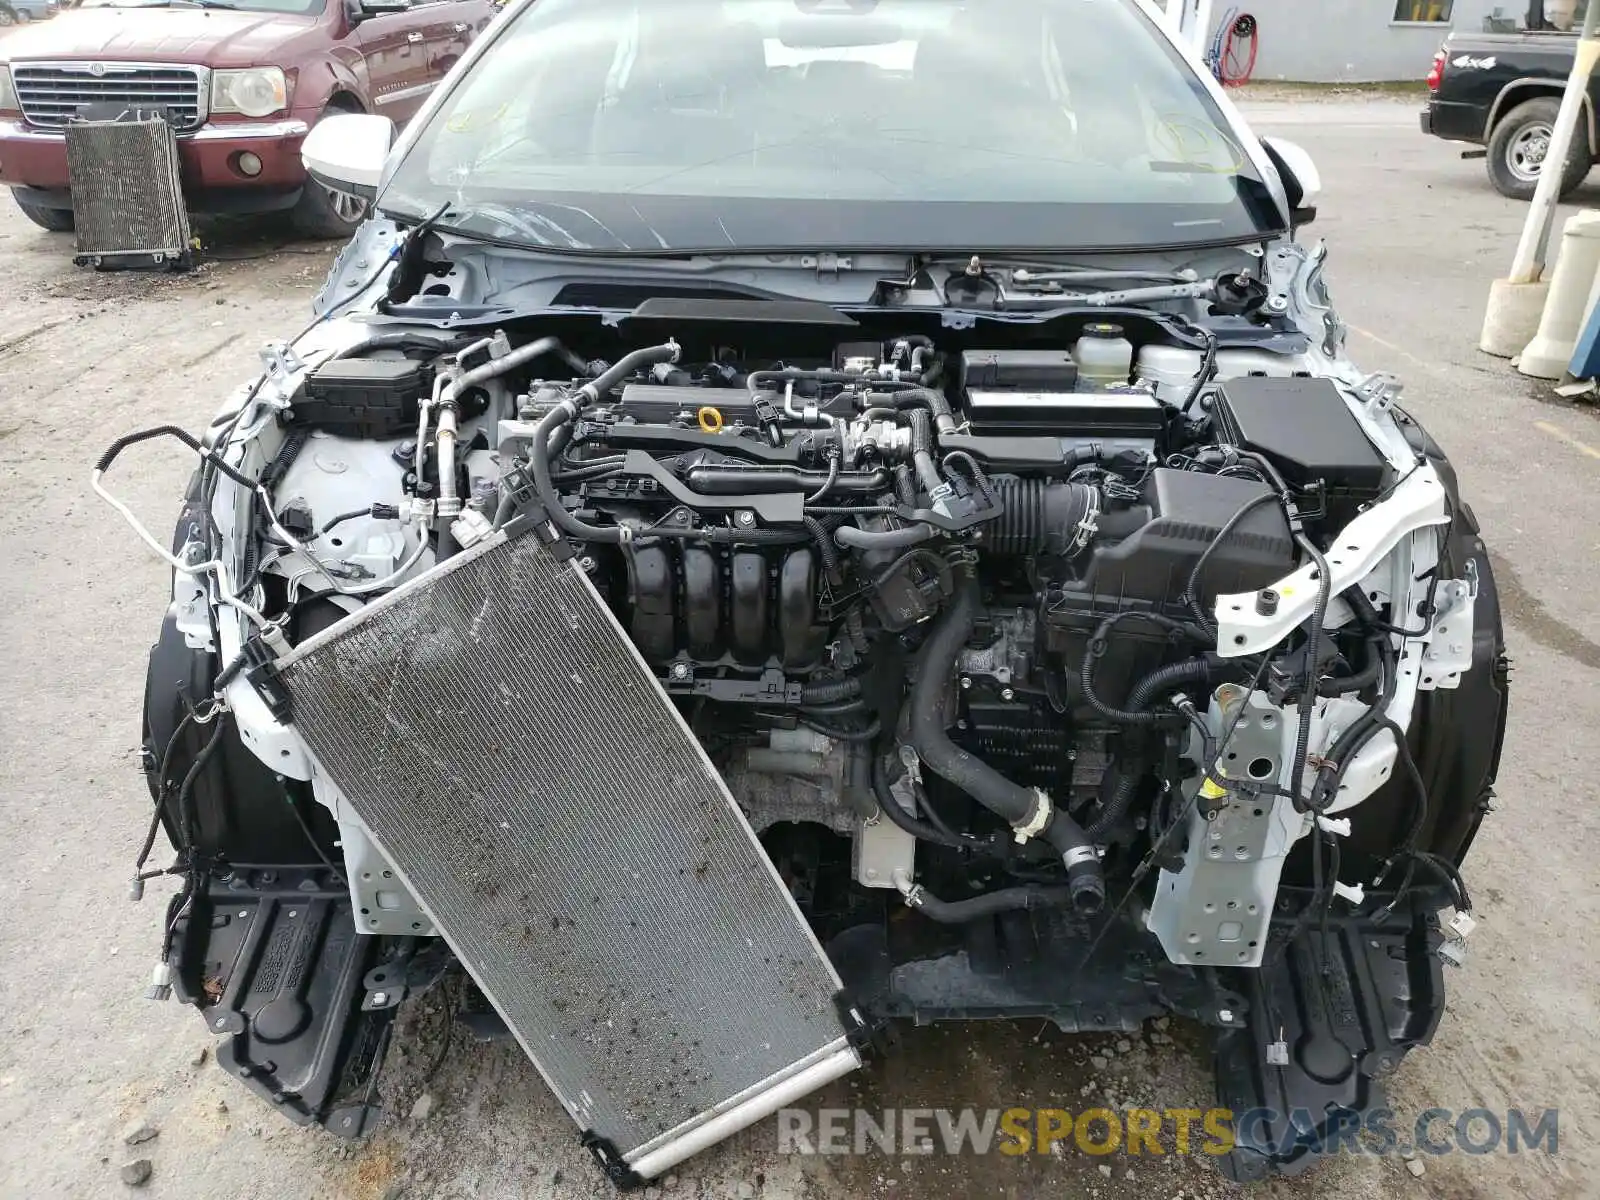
x: 241, y: 80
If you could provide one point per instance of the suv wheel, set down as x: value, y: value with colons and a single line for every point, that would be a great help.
x: 56, y: 220
x: 7, y: 16
x: 1518, y: 146
x: 324, y: 213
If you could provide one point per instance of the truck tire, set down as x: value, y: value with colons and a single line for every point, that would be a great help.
x: 322, y: 213
x: 56, y: 220
x: 1517, y: 148
x: 8, y: 16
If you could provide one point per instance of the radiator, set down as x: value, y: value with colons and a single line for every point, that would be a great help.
x: 535, y: 789
x: 127, y: 196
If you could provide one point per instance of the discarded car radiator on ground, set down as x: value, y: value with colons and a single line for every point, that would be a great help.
x: 127, y: 194
x: 536, y: 791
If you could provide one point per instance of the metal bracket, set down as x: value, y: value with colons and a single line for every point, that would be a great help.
x: 828, y: 263
x: 1281, y: 265
x: 1215, y: 910
x: 278, y: 362
x: 1417, y: 501
x: 1449, y: 653
x: 1379, y: 391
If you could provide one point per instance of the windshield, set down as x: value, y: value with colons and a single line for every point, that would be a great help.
x: 705, y: 125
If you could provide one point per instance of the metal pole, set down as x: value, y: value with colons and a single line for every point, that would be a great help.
x: 1528, y: 265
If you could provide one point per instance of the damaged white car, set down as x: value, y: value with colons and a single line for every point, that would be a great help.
x: 800, y: 514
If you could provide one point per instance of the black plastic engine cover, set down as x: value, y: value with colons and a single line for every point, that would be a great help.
x: 1308, y: 432
x: 364, y: 397
x: 1187, y: 512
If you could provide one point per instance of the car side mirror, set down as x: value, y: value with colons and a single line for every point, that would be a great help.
x: 346, y: 152
x: 1302, y: 182
x: 365, y: 10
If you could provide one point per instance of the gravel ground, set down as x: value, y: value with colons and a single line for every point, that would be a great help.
x: 83, y: 357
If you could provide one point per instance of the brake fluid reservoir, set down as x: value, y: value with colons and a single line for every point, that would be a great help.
x: 1171, y: 370
x: 1104, y: 356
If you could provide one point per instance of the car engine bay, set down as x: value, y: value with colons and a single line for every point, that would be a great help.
x: 1079, y: 669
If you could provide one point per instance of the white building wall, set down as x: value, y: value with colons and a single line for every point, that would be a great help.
x: 1350, y: 41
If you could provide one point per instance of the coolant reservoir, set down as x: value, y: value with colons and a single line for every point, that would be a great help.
x: 1104, y: 356
x: 1171, y: 370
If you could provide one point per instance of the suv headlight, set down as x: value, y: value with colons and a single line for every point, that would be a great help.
x: 253, y: 92
x: 8, y: 94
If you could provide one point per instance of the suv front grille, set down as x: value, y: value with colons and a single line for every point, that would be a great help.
x: 51, y: 93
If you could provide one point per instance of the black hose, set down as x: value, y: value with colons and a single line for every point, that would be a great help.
x: 1168, y: 678
x: 867, y: 733
x: 826, y: 550
x: 184, y: 436
x: 1358, y: 733
x: 401, y: 339
x: 922, y: 451
x: 935, y: 562
x: 539, y: 453
x: 1018, y: 806
x: 1091, y: 655
x: 854, y: 707
x: 856, y: 538
x: 1358, y: 681
x: 539, y: 462
x: 1013, y: 899
x: 829, y: 691
x: 445, y: 545
x: 900, y: 817
x: 335, y: 522
x: 1012, y: 802
x: 1158, y: 683
x: 634, y: 360
x: 933, y: 401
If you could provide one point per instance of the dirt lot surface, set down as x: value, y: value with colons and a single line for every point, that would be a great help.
x: 1417, y: 235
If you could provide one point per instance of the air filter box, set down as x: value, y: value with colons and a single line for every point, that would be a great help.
x: 1186, y: 511
x: 1304, y: 428
x: 364, y: 397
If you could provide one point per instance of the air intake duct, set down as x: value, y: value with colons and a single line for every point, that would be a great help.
x: 1041, y: 517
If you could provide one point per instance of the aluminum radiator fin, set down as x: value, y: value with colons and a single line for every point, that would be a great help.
x: 534, y: 787
x: 127, y: 196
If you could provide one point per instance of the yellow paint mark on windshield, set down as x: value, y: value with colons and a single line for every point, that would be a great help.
x: 1205, y: 148
x: 466, y: 122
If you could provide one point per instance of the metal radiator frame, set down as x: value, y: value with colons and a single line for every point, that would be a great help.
x: 834, y: 1057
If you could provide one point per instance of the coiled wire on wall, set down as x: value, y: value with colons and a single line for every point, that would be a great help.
x: 1232, y: 56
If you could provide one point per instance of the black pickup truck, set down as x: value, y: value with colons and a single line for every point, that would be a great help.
x: 1501, y: 90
